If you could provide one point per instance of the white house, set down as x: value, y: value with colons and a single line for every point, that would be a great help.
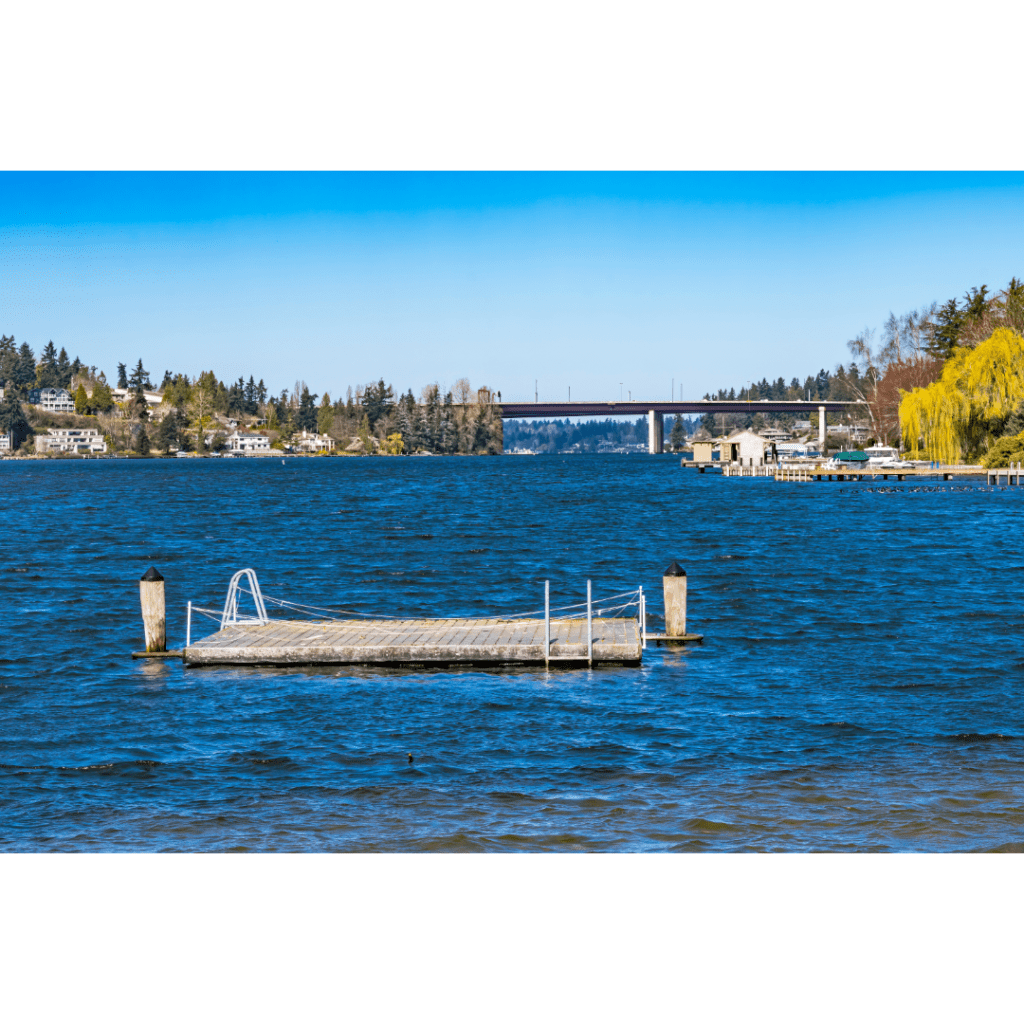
x: 747, y: 448
x: 123, y: 394
x: 239, y: 442
x: 307, y: 442
x: 70, y: 441
x: 6, y: 440
x: 56, y: 400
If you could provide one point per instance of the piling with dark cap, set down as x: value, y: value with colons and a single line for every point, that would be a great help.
x: 673, y: 581
x: 154, y: 615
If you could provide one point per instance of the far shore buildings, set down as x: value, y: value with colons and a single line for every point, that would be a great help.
x: 243, y: 442
x: 312, y: 442
x: 71, y: 441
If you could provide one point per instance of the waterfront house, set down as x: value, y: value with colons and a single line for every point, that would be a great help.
x: 312, y: 442
x: 747, y: 448
x: 241, y: 442
x: 7, y: 442
x: 70, y: 440
x: 53, y: 400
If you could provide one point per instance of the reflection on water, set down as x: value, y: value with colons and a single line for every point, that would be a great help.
x: 859, y: 687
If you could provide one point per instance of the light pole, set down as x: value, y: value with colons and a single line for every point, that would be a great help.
x: 620, y: 390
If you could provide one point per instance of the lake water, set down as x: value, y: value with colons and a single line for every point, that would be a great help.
x: 861, y: 685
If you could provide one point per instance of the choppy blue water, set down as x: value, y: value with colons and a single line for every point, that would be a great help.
x: 861, y: 686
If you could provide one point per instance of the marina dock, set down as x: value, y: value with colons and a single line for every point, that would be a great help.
x: 420, y: 641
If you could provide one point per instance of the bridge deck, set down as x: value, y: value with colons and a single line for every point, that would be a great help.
x: 417, y: 641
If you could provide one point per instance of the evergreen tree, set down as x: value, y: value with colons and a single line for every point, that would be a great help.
x: 102, y: 400
x: 63, y: 370
x: 8, y: 359
x: 305, y: 416
x: 677, y: 439
x: 122, y: 376
x: 945, y: 334
x: 142, y: 441
x: 167, y: 381
x: 24, y: 375
x: 139, y: 380
x: 167, y: 432
x: 325, y: 415
x: 81, y: 400
x: 12, y: 420
x: 46, y: 371
x: 377, y: 401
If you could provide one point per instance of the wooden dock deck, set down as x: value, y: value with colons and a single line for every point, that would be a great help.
x: 809, y: 474
x: 418, y: 641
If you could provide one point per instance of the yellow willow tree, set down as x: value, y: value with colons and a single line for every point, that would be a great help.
x: 978, y: 388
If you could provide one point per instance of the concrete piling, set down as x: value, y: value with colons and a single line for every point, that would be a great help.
x: 154, y: 614
x: 673, y: 581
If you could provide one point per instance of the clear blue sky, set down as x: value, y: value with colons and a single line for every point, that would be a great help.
x: 580, y: 280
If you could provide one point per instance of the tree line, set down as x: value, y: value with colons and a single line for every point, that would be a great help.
x: 956, y: 377
x: 193, y: 412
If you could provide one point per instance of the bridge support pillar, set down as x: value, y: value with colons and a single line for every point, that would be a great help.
x: 655, y: 432
x: 821, y: 431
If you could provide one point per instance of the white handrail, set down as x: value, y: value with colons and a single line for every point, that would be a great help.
x: 230, y: 615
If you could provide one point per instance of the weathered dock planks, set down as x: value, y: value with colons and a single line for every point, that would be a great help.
x: 418, y: 641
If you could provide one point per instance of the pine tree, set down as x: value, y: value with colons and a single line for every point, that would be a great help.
x: 142, y: 442
x: 13, y: 421
x: 138, y: 381
x: 62, y: 370
x: 81, y: 400
x: 677, y: 438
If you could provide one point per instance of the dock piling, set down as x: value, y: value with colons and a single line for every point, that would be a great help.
x: 590, y: 628
x: 154, y: 615
x: 547, y: 623
x: 188, y: 626
x: 673, y: 582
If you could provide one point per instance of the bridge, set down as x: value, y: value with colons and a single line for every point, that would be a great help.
x: 655, y: 412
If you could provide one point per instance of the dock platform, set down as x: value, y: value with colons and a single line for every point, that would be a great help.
x: 419, y: 642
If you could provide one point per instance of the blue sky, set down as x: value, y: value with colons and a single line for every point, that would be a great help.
x: 580, y: 280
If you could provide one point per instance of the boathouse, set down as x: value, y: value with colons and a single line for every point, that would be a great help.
x: 703, y: 451
x: 747, y: 448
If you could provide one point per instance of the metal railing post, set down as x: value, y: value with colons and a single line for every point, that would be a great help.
x: 643, y: 619
x: 188, y: 627
x: 590, y: 629
x: 547, y: 621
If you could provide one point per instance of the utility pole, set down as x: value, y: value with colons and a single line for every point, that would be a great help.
x: 534, y: 392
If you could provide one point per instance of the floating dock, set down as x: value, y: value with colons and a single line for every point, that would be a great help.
x: 421, y: 642
x: 809, y: 474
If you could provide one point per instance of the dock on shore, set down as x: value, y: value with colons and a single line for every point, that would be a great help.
x: 420, y: 642
x: 807, y: 474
